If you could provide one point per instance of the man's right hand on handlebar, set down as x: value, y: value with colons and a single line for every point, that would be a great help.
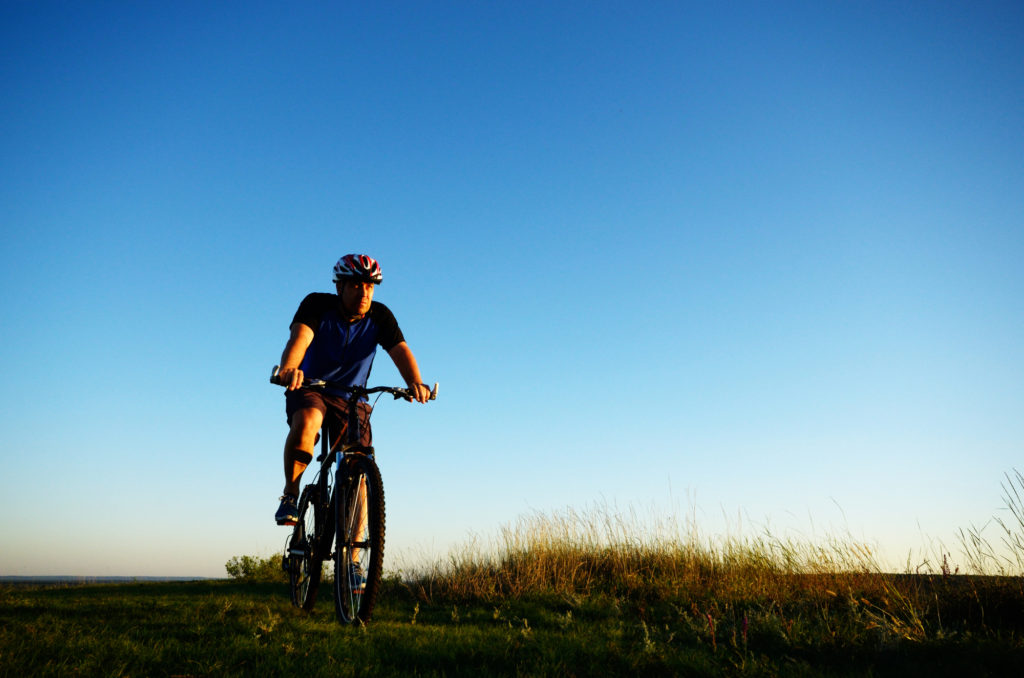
x: 290, y: 377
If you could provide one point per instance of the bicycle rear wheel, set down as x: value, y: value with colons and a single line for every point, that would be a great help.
x: 359, y: 551
x: 305, y: 559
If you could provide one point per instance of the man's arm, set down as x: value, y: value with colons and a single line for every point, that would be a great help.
x: 405, y: 361
x: 294, y: 351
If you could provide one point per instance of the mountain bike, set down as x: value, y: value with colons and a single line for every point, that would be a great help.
x: 341, y: 515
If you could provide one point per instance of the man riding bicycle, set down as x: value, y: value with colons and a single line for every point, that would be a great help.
x: 334, y: 337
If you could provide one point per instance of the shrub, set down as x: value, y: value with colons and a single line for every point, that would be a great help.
x: 256, y: 569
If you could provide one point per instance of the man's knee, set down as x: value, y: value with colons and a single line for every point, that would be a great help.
x: 305, y: 427
x: 308, y: 419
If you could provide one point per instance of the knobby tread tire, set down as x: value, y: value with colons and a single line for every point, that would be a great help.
x: 305, y: 534
x: 356, y: 466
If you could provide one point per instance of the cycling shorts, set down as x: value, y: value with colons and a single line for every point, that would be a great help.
x: 334, y: 409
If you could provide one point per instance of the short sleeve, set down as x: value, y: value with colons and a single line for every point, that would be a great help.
x: 310, y: 310
x: 388, y: 333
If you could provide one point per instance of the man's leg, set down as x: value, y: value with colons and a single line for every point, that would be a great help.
x: 299, y: 445
x: 361, y: 520
x: 298, y: 452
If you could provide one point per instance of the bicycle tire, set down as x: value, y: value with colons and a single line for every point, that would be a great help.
x: 358, y: 540
x: 305, y: 557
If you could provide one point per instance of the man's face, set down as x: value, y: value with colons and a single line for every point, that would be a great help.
x: 356, y: 296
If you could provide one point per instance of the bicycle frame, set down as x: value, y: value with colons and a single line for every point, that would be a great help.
x: 347, y: 502
x: 350, y: 443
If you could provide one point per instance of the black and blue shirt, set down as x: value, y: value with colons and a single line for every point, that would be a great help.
x: 342, y: 350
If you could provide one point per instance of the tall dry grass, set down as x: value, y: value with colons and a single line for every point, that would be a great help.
x: 580, y: 553
x: 1005, y: 557
x: 603, y: 549
x: 832, y: 586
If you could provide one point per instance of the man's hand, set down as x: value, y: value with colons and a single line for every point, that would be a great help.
x: 421, y: 393
x: 291, y: 378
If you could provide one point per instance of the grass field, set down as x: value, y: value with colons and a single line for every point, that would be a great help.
x: 965, y: 627
x: 565, y: 595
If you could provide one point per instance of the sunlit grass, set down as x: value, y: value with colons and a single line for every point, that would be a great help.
x: 574, y: 552
x: 591, y: 592
x: 1005, y: 557
x: 798, y: 591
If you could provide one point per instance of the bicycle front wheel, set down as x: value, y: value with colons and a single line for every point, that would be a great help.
x: 359, y: 552
x: 305, y: 559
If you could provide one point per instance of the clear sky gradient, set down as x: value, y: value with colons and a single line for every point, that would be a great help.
x: 760, y: 263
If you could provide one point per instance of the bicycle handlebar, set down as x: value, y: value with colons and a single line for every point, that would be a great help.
x: 354, y: 391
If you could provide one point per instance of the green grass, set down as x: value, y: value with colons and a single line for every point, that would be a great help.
x: 964, y: 626
x: 592, y: 594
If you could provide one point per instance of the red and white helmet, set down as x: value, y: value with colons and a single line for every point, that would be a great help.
x: 357, y: 267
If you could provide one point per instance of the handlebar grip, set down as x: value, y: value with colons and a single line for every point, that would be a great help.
x: 433, y: 393
x: 273, y: 375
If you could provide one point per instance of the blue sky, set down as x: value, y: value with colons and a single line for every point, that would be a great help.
x: 757, y: 262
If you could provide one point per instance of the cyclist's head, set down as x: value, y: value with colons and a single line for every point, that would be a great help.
x: 357, y: 268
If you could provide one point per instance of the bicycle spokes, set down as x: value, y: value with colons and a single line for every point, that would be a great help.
x: 305, y: 560
x: 360, y: 540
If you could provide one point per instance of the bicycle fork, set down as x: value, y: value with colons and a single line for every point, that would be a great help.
x: 358, y: 519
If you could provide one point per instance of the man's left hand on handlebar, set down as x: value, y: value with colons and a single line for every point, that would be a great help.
x: 421, y: 393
